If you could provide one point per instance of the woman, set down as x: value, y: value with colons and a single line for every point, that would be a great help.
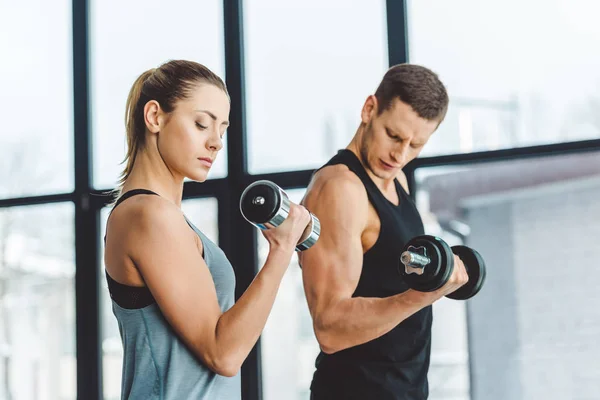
x: 172, y: 289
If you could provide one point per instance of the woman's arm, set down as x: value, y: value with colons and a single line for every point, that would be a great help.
x: 167, y: 254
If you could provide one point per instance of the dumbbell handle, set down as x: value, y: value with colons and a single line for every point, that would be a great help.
x: 414, y: 263
x: 414, y: 260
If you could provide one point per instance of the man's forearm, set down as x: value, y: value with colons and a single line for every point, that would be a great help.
x: 357, y: 320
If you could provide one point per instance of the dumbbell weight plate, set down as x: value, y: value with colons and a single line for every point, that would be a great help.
x: 437, y: 272
x: 475, y: 267
x: 311, y: 234
x: 264, y: 204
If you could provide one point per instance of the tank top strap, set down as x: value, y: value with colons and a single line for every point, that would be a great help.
x: 131, y: 193
x: 377, y: 198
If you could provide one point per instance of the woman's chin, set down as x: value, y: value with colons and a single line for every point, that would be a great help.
x: 198, y: 176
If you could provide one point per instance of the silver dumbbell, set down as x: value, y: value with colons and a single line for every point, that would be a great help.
x: 265, y: 205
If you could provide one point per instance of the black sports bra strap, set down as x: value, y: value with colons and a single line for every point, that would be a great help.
x: 132, y: 193
x: 127, y: 195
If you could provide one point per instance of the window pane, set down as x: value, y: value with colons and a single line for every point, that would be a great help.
x: 531, y: 330
x: 37, y: 303
x: 203, y: 214
x: 288, y: 345
x: 130, y: 37
x: 36, y: 137
x: 305, y: 86
x: 510, y: 87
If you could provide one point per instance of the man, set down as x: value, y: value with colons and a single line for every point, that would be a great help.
x: 374, y: 332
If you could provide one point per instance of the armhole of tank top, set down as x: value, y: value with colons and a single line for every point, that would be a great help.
x: 126, y: 296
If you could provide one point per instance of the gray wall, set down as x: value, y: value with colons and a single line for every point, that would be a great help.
x: 535, y: 327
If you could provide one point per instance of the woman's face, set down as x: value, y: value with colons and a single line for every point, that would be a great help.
x: 191, y: 135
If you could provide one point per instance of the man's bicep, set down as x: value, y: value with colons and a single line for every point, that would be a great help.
x: 332, y: 267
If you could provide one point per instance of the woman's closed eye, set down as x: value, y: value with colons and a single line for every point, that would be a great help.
x: 200, y: 126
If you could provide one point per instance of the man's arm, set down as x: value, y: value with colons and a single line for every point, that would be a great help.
x: 332, y: 267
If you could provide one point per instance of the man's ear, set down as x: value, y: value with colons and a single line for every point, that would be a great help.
x: 369, y: 109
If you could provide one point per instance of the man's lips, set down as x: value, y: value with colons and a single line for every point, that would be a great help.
x: 388, y: 166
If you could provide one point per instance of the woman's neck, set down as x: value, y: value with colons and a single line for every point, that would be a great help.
x: 154, y: 175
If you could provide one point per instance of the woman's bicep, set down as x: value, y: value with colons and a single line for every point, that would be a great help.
x: 165, y: 251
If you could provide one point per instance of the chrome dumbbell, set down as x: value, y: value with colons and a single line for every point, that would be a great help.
x: 265, y: 205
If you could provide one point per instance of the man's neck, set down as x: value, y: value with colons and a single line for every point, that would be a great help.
x: 383, y: 184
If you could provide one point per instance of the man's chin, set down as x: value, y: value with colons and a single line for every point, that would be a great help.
x: 380, y: 172
x: 384, y: 175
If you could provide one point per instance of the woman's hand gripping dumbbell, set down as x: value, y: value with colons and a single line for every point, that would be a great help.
x: 266, y: 206
x: 427, y: 264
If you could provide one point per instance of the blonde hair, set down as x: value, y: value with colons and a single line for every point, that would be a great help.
x: 171, y: 82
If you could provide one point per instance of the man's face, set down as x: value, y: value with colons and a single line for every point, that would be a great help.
x: 393, y: 138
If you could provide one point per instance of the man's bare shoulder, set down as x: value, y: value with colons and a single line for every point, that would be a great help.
x: 335, y: 181
x: 339, y: 199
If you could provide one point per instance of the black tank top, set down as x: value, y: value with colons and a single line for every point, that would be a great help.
x: 395, y: 365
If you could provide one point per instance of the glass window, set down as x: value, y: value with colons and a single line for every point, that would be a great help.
x: 288, y: 345
x: 140, y: 36
x: 203, y: 214
x: 36, y: 81
x: 37, y: 303
x: 518, y: 73
x: 310, y: 65
x: 531, y: 334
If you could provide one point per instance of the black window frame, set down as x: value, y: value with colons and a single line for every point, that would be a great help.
x: 236, y: 236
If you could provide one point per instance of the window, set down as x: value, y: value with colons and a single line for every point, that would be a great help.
x: 37, y: 302
x: 310, y: 66
x: 518, y: 73
x: 531, y: 334
x: 288, y: 345
x: 140, y: 36
x: 36, y: 137
x: 203, y: 214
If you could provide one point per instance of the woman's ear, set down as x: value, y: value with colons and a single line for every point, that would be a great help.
x: 152, y: 116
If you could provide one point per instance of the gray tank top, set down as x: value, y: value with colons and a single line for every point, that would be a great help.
x: 156, y: 363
